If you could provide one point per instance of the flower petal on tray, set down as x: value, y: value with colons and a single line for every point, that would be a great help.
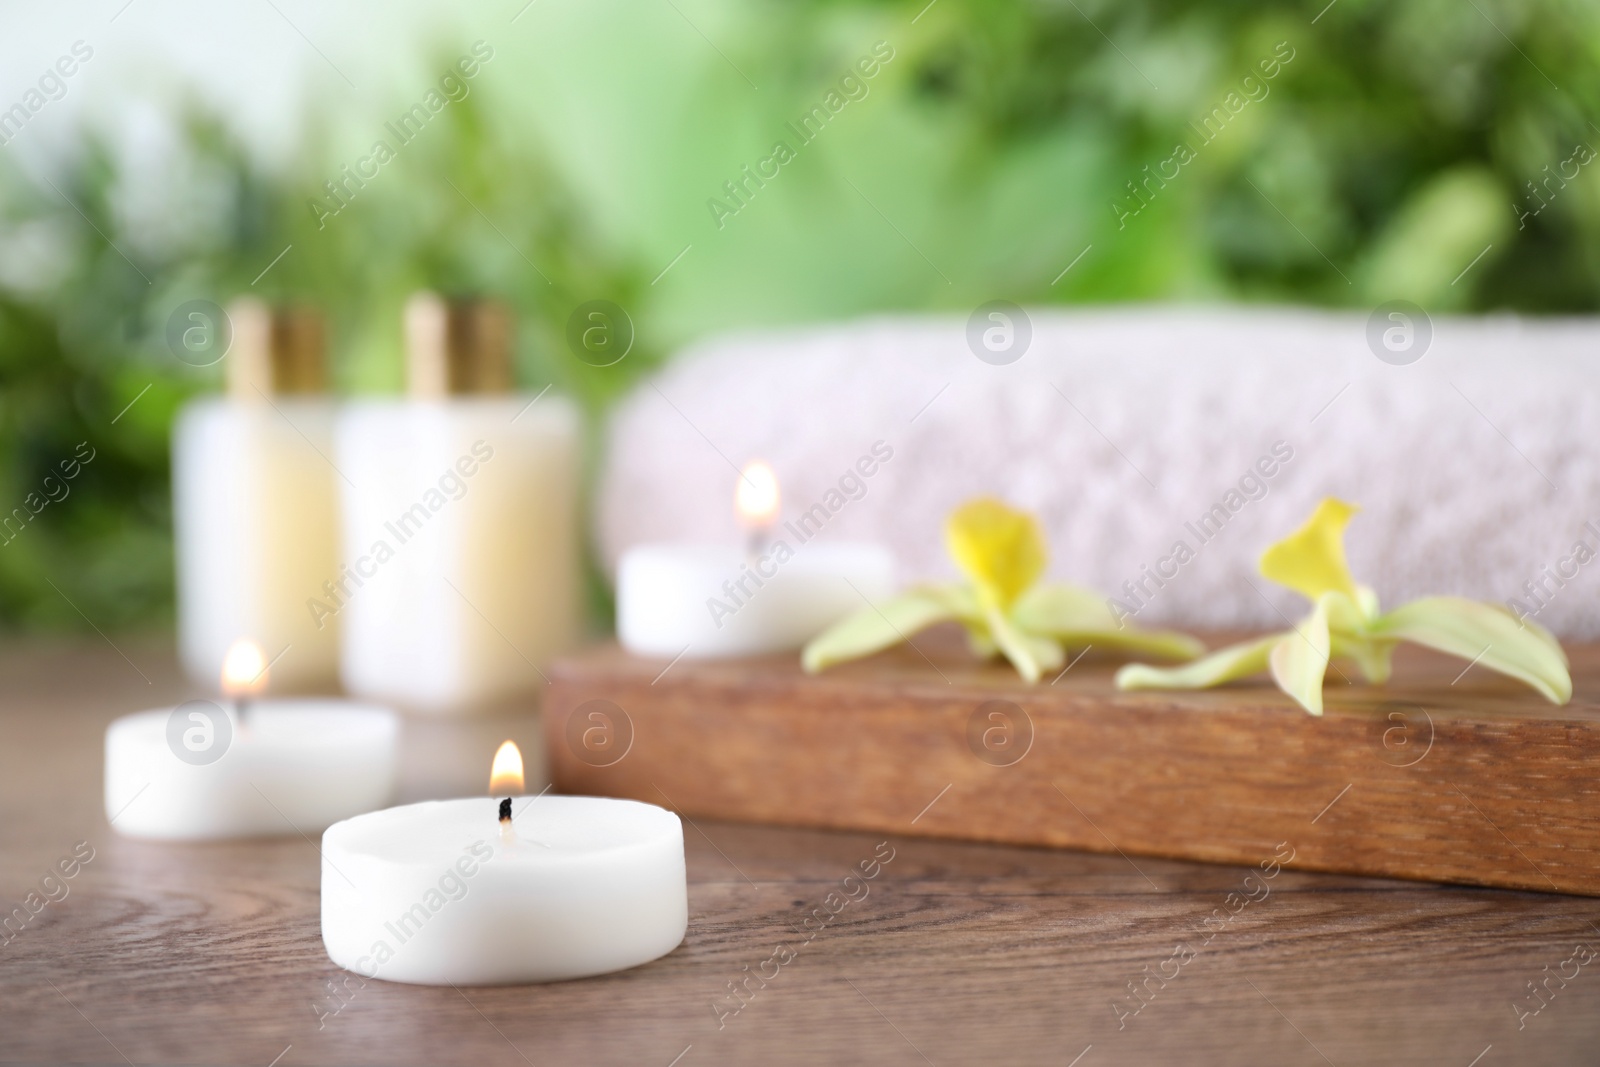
x: 1030, y: 654
x: 1485, y: 634
x: 1300, y: 659
x: 1000, y: 549
x: 1371, y: 654
x: 1224, y: 665
x: 1060, y: 608
x: 1078, y: 618
x: 1164, y: 644
x: 876, y: 627
x: 1311, y: 560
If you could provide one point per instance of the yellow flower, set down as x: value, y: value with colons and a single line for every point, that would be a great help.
x: 1345, y: 622
x: 1002, y: 552
x: 1311, y: 560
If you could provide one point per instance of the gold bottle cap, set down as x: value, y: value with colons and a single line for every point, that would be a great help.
x: 456, y: 346
x: 275, y: 351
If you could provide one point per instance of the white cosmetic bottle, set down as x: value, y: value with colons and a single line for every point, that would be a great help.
x: 461, y: 551
x: 255, y: 509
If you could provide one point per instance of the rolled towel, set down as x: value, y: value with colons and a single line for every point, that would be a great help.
x: 1162, y: 447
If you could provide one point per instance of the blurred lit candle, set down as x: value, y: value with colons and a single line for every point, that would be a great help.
x: 245, y: 767
x: 503, y: 889
x: 756, y: 502
x: 244, y: 674
x: 703, y: 601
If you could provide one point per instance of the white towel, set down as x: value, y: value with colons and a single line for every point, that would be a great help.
x: 1476, y: 466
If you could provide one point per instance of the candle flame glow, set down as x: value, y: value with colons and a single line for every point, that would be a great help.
x: 244, y: 669
x: 756, y: 497
x: 505, y: 776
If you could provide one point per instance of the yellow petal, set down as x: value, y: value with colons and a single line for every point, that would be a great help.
x: 1311, y: 560
x: 999, y: 548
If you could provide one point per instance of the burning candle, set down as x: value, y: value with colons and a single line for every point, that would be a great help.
x: 756, y: 501
x: 505, y: 777
x: 504, y: 889
x: 704, y: 601
x: 247, y: 768
x: 244, y: 674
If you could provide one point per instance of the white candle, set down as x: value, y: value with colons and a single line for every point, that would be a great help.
x: 773, y: 595
x: 675, y: 599
x: 206, y: 770
x: 444, y: 893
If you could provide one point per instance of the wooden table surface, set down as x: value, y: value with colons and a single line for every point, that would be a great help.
x: 957, y: 953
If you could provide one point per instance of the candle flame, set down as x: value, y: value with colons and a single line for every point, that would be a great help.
x: 756, y: 496
x: 505, y: 776
x: 244, y: 669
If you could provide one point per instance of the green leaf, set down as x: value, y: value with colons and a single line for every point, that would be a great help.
x: 875, y: 628
x: 1299, y: 660
x: 1487, y: 634
x: 1224, y: 665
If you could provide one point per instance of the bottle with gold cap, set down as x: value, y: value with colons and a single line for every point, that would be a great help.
x: 460, y: 515
x: 255, y: 508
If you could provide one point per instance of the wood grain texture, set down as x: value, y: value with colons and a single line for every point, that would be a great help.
x: 957, y: 954
x: 1445, y: 775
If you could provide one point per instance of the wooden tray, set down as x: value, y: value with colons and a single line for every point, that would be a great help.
x: 1442, y: 775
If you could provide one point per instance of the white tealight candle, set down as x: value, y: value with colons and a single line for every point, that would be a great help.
x: 496, y: 892
x: 778, y: 592
x: 206, y: 770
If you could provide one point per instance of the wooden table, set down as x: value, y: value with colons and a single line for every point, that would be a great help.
x: 956, y: 954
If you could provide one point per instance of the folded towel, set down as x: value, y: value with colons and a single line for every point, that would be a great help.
x: 1134, y: 431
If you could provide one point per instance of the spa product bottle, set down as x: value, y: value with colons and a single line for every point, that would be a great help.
x: 461, y: 554
x: 254, y: 505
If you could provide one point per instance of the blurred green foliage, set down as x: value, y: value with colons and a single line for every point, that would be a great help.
x: 998, y: 143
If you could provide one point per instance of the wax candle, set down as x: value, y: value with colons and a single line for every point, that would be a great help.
x: 206, y: 770
x: 503, y: 889
x: 703, y: 601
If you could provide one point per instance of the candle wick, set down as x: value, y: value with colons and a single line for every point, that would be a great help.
x: 756, y: 541
x: 505, y: 811
x: 241, y: 708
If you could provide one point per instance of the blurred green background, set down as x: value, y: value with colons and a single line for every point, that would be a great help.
x: 992, y: 148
